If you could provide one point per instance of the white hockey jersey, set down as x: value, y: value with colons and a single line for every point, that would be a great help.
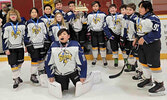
x: 114, y: 22
x: 129, y: 27
x: 36, y: 33
x: 53, y: 30
x: 65, y: 60
x: 47, y: 19
x: 76, y: 20
x: 13, y: 35
x: 96, y: 20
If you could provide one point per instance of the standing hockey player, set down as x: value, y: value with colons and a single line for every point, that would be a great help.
x: 95, y: 26
x: 66, y: 61
x: 35, y: 38
x: 59, y: 6
x: 128, y: 35
x: 13, y: 35
x: 48, y: 19
x: 149, y: 33
x: 57, y: 24
x: 112, y: 29
x: 76, y: 19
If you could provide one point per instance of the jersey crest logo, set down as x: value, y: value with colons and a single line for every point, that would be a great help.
x: 15, y: 35
x: 139, y: 27
x: 48, y: 24
x: 64, y: 56
x: 96, y: 20
x: 36, y: 29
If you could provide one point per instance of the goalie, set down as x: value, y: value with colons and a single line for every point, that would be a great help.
x: 66, y: 61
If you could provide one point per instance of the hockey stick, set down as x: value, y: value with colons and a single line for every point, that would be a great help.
x: 118, y: 74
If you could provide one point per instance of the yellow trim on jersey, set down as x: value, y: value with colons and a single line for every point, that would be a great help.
x: 130, y: 55
x: 94, y: 48
x: 114, y: 52
x: 145, y: 65
x: 156, y: 69
x: 137, y: 58
x: 15, y: 68
x: 102, y: 48
x: 34, y: 63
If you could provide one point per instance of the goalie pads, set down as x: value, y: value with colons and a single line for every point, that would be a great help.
x: 44, y: 80
x: 93, y: 78
x: 55, y: 89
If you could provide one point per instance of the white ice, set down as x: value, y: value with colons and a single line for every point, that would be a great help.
x: 121, y: 88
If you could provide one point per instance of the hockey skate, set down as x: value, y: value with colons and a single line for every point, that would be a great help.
x: 105, y: 62
x: 34, y: 79
x: 93, y: 78
x: 138, y: 75
x: 116, y: 62
x: 17, y: 82
x: 94, y: 62
x: 157, y: 90
x: 55, y: 89
x: 144, y: 83
x: 41, y: 72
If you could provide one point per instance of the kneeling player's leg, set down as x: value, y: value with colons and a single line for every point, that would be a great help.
x: 63, y: 80
x: 74, y: 77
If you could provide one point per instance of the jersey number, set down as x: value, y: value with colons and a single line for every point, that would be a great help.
x: 155, y: 27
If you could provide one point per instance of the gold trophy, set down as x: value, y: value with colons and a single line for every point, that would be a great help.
x: 80, y: 7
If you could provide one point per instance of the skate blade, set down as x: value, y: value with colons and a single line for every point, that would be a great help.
x: 162, y: 93
x: 16, y: 89
x: 143, y: 88
x: 35, y: 84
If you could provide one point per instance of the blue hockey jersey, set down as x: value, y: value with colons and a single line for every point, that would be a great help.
x: 149, y: 27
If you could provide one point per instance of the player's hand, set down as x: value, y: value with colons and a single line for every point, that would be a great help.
x: 134, y: 42
x: 112, y: 37
x: 51, y: 80
x: 7, y: 52
x: 82, y: 80
x: 141, y: 41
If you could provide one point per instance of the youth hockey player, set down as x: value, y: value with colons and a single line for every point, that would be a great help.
x: 76, y: 19
x: 112, y: 28
x: 48, y: 19
x: 149, y: 34
x: 35, y: 37
x: 57, y: 24
x: 95, y: 26
x: 129, y: 30
x: 66, y: 61
x: 13, y: 37
x: 59, y: 6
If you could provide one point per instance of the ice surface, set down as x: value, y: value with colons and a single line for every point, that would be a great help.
x: 121, y: 88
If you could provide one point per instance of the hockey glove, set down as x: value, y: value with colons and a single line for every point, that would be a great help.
x: 47, y: 45
x: 122, y: 42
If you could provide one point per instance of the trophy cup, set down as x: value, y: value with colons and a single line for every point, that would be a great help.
x: 80, y: 7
